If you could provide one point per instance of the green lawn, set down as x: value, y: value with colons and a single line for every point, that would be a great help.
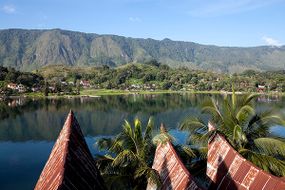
x: 100, y: 92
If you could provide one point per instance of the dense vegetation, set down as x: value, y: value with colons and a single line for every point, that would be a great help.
x: 10, y: 75
x: 156, y: 76
x: 32, y: 49
x: 150, y: 76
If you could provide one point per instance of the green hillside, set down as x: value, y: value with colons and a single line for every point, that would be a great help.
x: 32, y: 49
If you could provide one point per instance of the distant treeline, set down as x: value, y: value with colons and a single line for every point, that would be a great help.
x: 155, y: 75
x: 151, y: 75
x: 13, y: 76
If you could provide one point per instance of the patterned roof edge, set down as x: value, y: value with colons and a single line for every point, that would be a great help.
x: 70, y: 164
x: 174, y: 175
x: 227, y: 169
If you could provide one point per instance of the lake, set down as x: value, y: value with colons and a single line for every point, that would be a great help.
x: 29, y: 127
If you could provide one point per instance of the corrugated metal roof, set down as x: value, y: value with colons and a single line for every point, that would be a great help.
x: 173, y: 173
x: 70, y: 164
x: 227, y: 169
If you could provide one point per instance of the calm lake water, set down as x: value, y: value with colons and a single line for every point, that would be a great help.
x: 28, y: 128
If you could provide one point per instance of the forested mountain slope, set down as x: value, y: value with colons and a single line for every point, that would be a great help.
x: 31, y: 49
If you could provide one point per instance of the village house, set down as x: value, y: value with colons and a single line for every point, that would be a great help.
x: 51, y: 88
x: 18, y: 87
x: 12, y: 86
x: 21, y: 88
x: 35, y: 89
x: 85, y: 83
x: 261, y: 88
x: 134, y: 87
x: 64, y: 83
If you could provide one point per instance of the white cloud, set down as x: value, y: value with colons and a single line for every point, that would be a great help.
x: 135, y: 19
x: 271, y: 42
x: 9, y: 9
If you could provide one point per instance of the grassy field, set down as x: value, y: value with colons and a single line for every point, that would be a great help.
x: 101, y: 92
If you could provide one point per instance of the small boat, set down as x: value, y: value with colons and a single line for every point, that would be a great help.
x: 70, y: 164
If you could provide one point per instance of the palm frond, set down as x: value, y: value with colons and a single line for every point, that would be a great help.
x: 188, y: 150
x: 104, y: 143
x: 103, y: 163
x: 248, y: 99
x: 148, y: 130
x: 125, y: 158
x: 270, y: 146
x: 244, y: 112
x: 162, y: 138
x: 265, y: 162
x: 127, y: 129
x: 237, y: 132
x: 117, y: 146
x: 151, y: 174
x: 192, y: 124
x: 234, y: 98
x: 210, y: 107
x: 201, y: 139
x: 138, y: 131
x: 267, y: 117
x: 203, y: 152
x: 273, y: 120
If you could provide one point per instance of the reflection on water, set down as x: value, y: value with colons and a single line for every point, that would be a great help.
x: 43, y: 119
x: 29, y: 127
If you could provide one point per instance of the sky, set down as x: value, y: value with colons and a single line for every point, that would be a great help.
x: 216, y: 22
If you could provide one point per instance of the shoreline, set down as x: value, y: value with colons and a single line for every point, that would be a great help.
x: 104, y: 92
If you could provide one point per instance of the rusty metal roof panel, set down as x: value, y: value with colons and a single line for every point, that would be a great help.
x: 263, y: 178
x: 70, y: 164
x: 227, y: 169
x: 173, y: 173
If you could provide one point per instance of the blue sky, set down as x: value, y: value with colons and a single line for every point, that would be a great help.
x: 217, y: 22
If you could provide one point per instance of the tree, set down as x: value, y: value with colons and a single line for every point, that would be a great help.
x: 247, y: 129
x: 3, y: 72
x: 128, y: 164
x: 148, y: 77
x: 153, y: 62
x: 164, y: 67
x: 46, y: 90
x: 166, y: 85
x: 160, y: 76
x: 11, y: 76
x: 77, y: 87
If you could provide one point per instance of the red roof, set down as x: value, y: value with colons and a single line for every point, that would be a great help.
x: 227, y: 169
x: 70, y: 164
x: 173, y: 173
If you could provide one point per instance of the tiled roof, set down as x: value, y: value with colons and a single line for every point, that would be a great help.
x: 70, y: 164
x: 173, y: 173
x: 228, y: 170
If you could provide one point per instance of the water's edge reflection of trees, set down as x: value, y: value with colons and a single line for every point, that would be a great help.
x: 42, y: 119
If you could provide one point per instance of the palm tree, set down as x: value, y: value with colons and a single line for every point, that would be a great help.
x: 130, y: 154
x: 246, y: 128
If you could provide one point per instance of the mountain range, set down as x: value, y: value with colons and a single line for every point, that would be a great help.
x: 28, y: 50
